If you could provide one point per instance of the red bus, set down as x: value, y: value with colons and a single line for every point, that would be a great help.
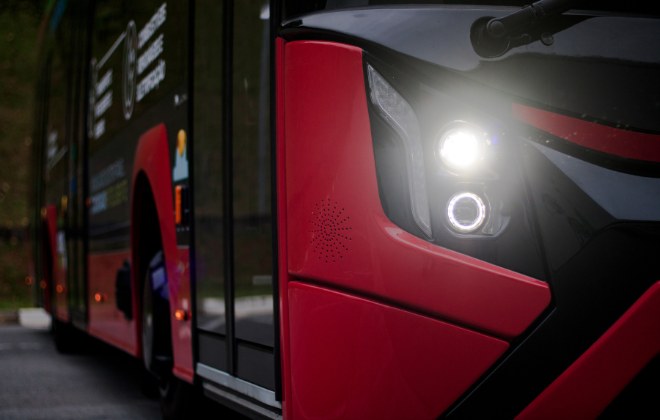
x: 357, y: 208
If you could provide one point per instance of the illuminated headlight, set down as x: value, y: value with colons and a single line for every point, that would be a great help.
x: 461, y: 147
x: 466, y: 212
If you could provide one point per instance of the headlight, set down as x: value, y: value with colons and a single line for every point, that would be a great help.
x: 461, y: 146
x: 466, y: 212
x: 449, y: 166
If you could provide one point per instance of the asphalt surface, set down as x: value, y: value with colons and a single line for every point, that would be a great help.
x: 36, y: 382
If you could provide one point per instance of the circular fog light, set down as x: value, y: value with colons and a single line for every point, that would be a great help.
x: 461, y: 146
x: 466, y: 212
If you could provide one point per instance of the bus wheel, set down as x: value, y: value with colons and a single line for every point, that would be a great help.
x: 176, y: 398
x: 175, y: 395
x: 156, y: 341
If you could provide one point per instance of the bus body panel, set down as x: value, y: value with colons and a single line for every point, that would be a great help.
x: 341, y: 235
x: 105, y: 321
x: 375, y: 361
x: 588, y: 386
x: 152, y: 159
x: 371, y: 318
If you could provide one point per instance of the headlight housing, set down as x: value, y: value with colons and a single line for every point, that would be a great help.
x: 448, y: 167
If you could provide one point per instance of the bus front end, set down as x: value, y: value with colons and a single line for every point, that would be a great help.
x: 468, y: 210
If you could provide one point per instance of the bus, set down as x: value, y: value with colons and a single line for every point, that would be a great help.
x: 357, y: 209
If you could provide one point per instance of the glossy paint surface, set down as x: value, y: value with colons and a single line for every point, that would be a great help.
x: 338, y: 233
x: 611, y: 140
x: 106, y: 321
x: 182, y: 328
x: 282, y: 263
x: 586, y: 388
x: 357, y: 359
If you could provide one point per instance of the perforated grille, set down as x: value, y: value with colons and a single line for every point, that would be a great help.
x: 331, y: 230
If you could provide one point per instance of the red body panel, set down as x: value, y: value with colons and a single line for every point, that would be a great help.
x: 182, y: 329
x: 152, y: 158
x: 55, y: 291
x: 337, y: 231
x: 105, y: 320
x: 586, y: 388
x: 282, y: 266
x: 614, y: 141
x: 356, y: 359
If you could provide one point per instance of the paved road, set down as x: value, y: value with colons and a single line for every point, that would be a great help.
x: 38, y: 383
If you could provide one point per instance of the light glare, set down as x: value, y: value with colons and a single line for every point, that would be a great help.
x: 461, y: 148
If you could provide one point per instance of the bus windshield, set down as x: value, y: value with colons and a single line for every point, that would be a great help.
x: 298, y: 7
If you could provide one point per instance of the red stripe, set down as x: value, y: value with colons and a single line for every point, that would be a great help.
x: 585, y: 389
x: 610, y: 140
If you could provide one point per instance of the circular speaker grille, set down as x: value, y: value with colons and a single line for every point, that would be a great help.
x: 330, y: 231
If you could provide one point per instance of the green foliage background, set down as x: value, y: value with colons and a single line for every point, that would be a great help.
x: 19, y: 22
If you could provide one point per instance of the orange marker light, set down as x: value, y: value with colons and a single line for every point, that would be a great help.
x: 28, y: 281
x: 98, y: 298
x: 180, y: 315
x: 178, y: 217
x: 59, y: 288
x: 42, y: 284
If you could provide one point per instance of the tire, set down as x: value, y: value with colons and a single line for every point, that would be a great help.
x: 156, y: 341
x: 176, y: 397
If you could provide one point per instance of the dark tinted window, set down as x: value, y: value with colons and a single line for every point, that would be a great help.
x: 251, y: 173
x: 209, y: 166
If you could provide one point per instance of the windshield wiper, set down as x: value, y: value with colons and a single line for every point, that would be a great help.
x: 492, y: 37
x: 526, y: 17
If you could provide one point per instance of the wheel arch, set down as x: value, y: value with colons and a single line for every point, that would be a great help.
x: 152, y: 218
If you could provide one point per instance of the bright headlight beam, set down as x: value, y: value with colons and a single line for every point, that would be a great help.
x: 461, y: 147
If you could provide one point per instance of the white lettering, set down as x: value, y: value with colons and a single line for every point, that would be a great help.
x: 108, y: 175
x: 52, y: 145
x: 152, y: 53
x: 103, y: 104
x: 152, y: 26
x: 99, y: 128
x: 104, y: 83
x: 151, y: 81
x: 99, y: 202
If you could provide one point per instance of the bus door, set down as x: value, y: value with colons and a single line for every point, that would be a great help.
x: 232, y: 200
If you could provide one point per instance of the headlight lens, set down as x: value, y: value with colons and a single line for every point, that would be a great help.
x: 461, y: 147
x: 466, y: 212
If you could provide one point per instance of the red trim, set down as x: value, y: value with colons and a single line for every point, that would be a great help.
x: 283, y: 270
x: 614, y: 141
x: 152, y: 158
x: 105, y: 320
x: 357, y: 359
x: 586, y: 388
x: 182, y: 329
x: 341, y: 235
x: 57, y: 286
x: 50, y: 224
